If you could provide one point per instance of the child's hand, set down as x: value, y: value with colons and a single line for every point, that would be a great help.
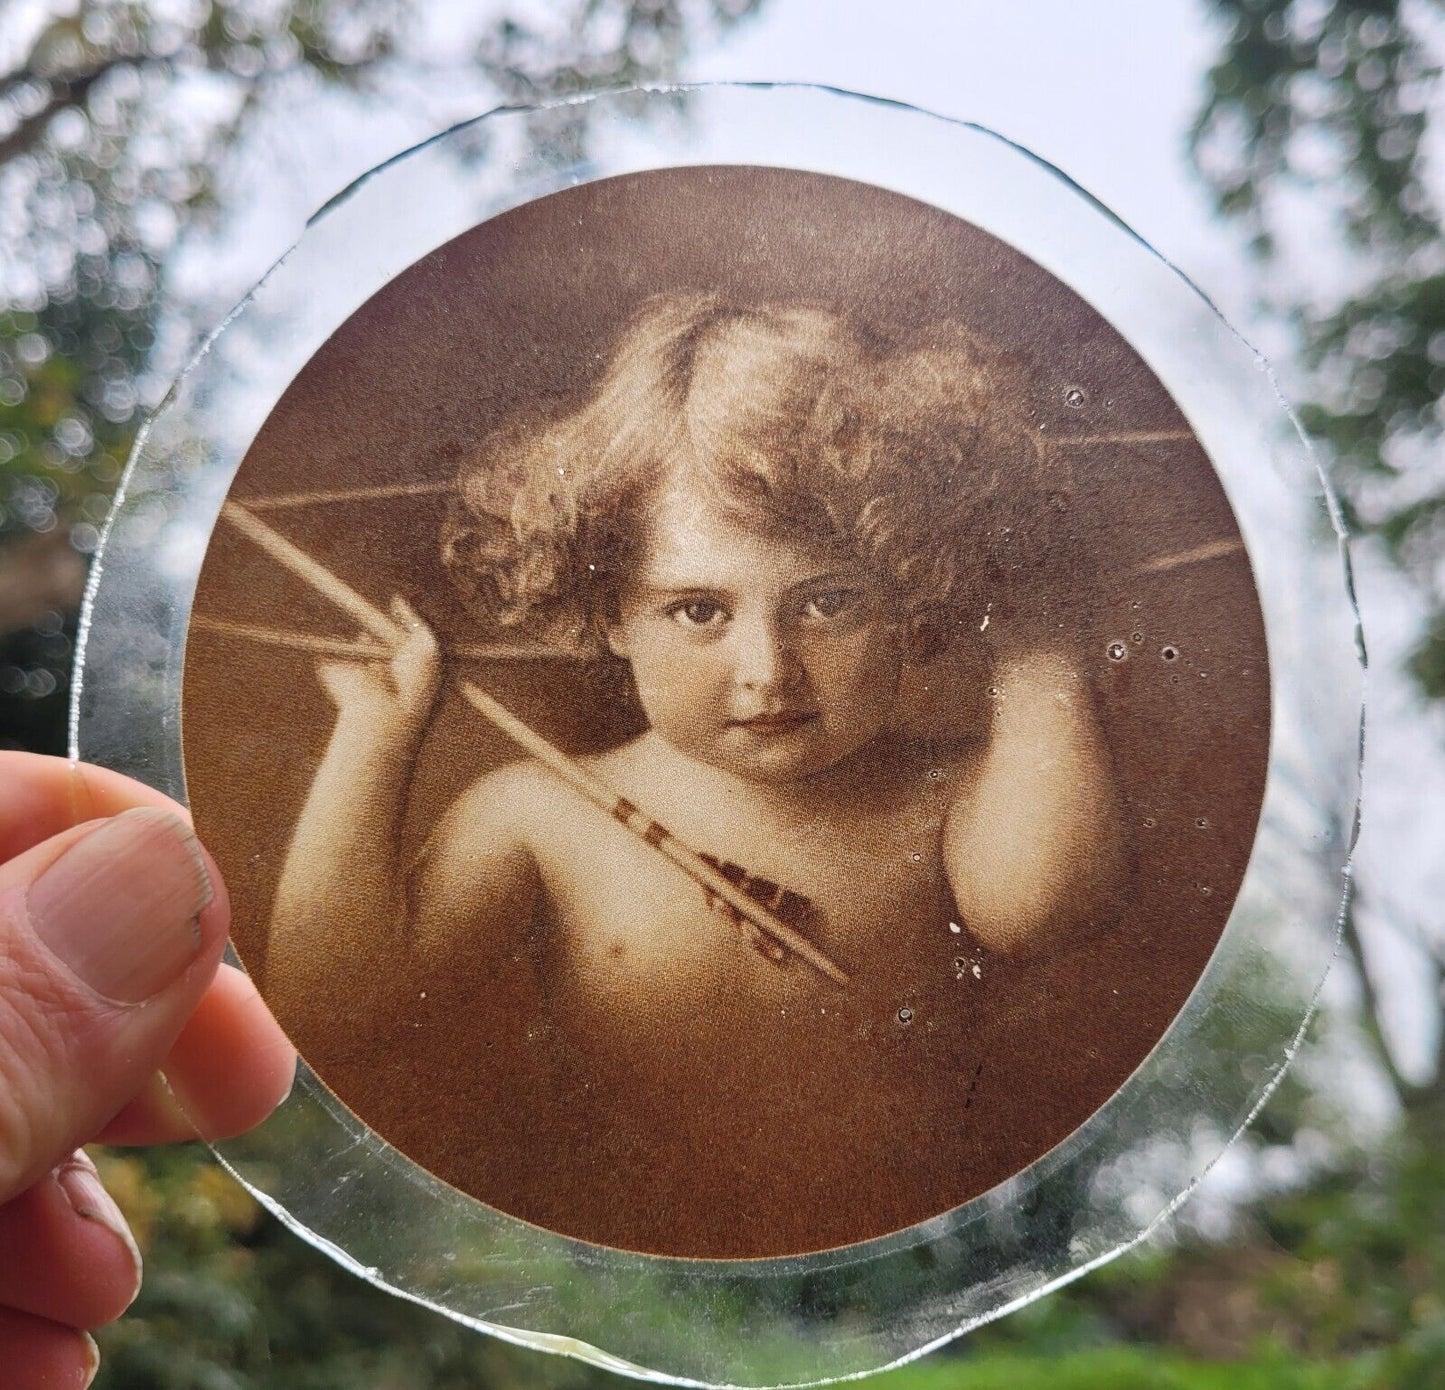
x: 396, y: 692
x: 112, y: 924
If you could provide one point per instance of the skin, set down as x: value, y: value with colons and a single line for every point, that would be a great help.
x: 771, y: 660
x: 768, y: 670
x: 80, y: 1072
x: 609, y: 1000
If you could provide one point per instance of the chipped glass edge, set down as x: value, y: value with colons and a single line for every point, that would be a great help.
x: 848, y: 1312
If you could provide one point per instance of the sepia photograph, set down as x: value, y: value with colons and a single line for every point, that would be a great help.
x: 704, y: 692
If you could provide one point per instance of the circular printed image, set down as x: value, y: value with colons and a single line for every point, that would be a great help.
x: 733, y: 708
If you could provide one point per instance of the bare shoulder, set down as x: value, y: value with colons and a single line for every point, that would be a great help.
x: 478, y: 870
x: 627, y: 758
x: 493, y: 824
x: 510, y: 801
x: 639, y: 769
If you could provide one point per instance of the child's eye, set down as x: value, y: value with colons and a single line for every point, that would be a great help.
x: 698, y: 612
x: 830, y: 603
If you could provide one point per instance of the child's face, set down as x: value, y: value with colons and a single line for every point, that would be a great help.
x: 772, y: 659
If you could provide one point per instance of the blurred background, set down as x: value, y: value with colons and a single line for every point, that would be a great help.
x: 156, y: 158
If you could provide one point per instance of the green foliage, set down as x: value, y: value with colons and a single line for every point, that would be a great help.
x: 1319, y: 92
x: 120, y: 123
x: 1341, y: 1284
x: 233, y: 1302
x: 1427, y: 661
x: 1331, y: 99
x: 1369, y: 1255
x: 604, y: 45
x: 1124, y: 1368
x: 1390, y: 339
x: 61, y: 445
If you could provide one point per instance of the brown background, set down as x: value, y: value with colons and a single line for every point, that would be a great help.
x: 523, y: 309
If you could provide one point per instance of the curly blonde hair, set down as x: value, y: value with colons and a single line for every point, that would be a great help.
x: 915, y: 452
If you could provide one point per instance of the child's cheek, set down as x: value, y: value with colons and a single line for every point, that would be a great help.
x: 682, y: 687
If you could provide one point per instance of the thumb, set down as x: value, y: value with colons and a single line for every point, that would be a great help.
x: 109, y: 935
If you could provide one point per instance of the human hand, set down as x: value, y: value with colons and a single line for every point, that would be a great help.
x: 398, y: 689
x: 116, y: 1027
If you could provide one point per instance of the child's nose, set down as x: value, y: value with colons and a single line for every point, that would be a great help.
x: 764, y: 659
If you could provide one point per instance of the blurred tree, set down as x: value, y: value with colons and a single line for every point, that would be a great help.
x: 126, y: 127
x: 1313, y: 134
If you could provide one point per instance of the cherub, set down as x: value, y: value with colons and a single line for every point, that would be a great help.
x: 769, y: 513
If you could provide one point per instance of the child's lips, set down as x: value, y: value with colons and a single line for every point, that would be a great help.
x: 775, y: 721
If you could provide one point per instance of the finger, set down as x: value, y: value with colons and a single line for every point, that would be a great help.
x: 416, y: 632
x: 109, y: 935
x: 45, y: 795
x: 415, y: 671
x: 350, y: 682
x: 405, y: 614
x: 416, y: 647
x: 68, y: 1254
x: 230, y: 1068
x: 42, y: 1355
x: 333, y: 676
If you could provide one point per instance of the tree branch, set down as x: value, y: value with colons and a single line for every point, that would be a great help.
x: 1406, y: 1091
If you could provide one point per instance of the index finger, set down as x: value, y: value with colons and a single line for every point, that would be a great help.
x: 230, y: 1067
x: 45, y: 795
x: 231, y: 1064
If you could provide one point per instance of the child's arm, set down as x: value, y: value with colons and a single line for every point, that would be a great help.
x: 346, y: 918
x: 476, y: 880
x: 1036, y: 853
x: 340, y: 899
x: 343, y: 918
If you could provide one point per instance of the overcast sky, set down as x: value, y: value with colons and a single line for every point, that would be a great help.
x: 1105, y: 90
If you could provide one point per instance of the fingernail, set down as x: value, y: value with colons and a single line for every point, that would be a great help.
x: 88, y: 1199
x: 119, y: 907
x: 92, y: 1359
